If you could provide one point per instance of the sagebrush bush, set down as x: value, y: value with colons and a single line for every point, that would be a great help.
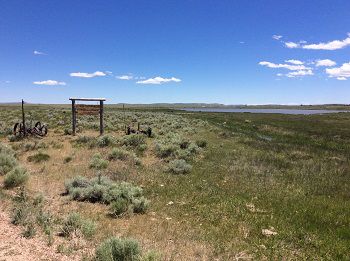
x: 13, y: 138
x: 179, y: 166
x: 29, y: 213
x: 193, y: 148
x: 84, y: 140
x: 122, y: 196
x: 133, y: 140
x: 104, y: 141
x: 38, y: 157
x: 98, y: 163
x: 117, y: 249
x: 165, y: 150
x: 119, y: 207
x: 7, y: 162
x: 201, y: 143
x: 140, y: 205
x: 5, y: 149
x: 15, y: 177
x: 118, y: 154
x: 71, y: 224
x: 74, y: 223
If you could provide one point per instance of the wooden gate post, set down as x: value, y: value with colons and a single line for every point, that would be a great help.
x: 101, y: 117
x: 85, y: 109
x: 73, y: 117
x: 23, y: 119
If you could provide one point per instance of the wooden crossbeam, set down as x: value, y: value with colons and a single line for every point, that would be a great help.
x: 87, y: 109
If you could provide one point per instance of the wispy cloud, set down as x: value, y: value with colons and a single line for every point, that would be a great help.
x: 87, y: 75
x: 300, y: 73
x: 297, y: 68
x: 341, y: 73
x: 38, y: 53
x: 277, y: 37
x: 49, y: 82
x: 291, y: 67
x: 158, y: 80
x: 331, y: 45
x: 296, y: 62
x: 125, y: 77
x: 291, y: 45
x: 325, y: 62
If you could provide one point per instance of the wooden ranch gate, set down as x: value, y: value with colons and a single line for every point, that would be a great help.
x: 87, y: 109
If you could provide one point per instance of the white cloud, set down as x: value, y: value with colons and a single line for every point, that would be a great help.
x: 341, y: 73
x: 300, y: 73
x: 125, y: 77
x: 292, y: 45
x: 325, y: 62
x: 277, y: 37
x: 291, y: 67
x: 159, y: 80
x: 332, y: 45
x: 7, y: 81
x: 295, y: 66
x: 38, y: 53
x: 87, y: 75
x: 341, y: 78
x: 49, y: 82
x: 296, y: 62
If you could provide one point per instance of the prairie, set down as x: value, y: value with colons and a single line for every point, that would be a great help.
x: 204, y: 186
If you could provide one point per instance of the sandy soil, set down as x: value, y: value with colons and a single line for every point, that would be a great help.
x: 15, y: 247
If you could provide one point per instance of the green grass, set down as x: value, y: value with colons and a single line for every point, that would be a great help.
x: 249, y: 172
x: 293, y: 170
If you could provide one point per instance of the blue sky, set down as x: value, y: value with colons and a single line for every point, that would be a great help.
x: 231, y: 52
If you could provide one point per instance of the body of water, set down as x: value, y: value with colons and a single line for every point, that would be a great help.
x: 280, y: 111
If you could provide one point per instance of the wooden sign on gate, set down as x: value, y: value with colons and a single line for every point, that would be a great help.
x: 83, y: 109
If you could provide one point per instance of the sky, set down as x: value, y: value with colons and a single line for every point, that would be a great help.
x: 170, y: 51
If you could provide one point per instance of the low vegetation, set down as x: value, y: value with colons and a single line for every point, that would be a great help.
x: 38, y: 157
x: 75, y: 224
x: 16, y: 177
x: 122, y: 197
x: 222, y: 186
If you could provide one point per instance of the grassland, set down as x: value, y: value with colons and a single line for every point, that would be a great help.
x: 265, y: 186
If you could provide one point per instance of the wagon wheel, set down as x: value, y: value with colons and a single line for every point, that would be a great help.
x: 43, y: 130
x: 38, y: 125
x: 18, y: 129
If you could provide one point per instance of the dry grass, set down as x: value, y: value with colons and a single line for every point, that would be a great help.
x: 256, y: 172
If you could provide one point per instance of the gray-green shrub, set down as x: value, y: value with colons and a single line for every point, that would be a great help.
x: 104, y: 141
x: 133, y: 140
x: 7, y: 162
x: 98, y: 163
x: 118, y: 154
x: 75, y: 223
x: 122, y: 196
x: 15, y: 177
x: 117, y: 249
x: 179, y: 166
x: 38, y: 157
